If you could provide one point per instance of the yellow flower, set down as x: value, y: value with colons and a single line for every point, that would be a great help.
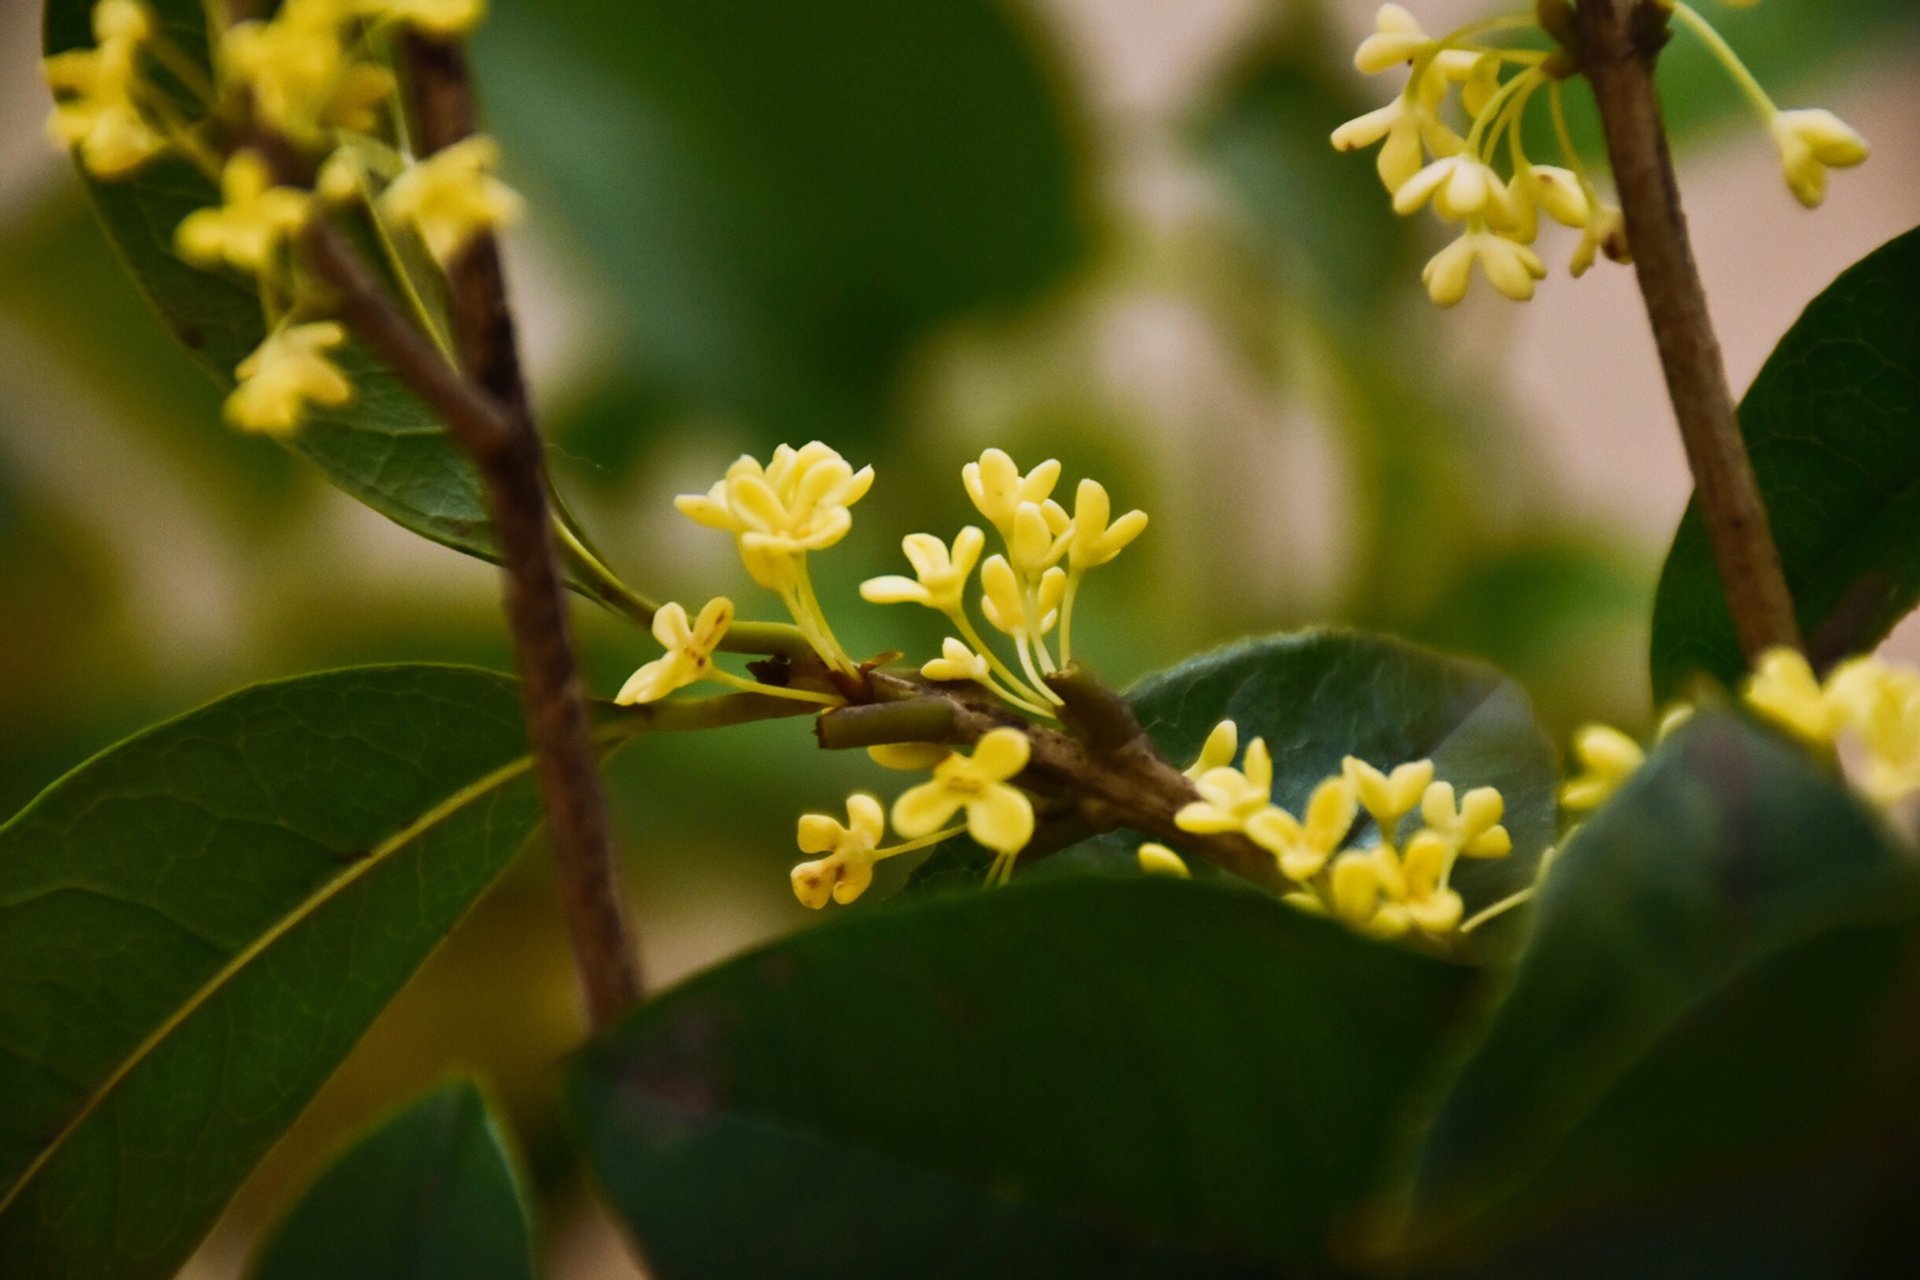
x: 1303, y: 848
x: 437, y: 17
x: 798, y: 502
x: 1158, y: 860
x: 908, y: 757
x: 1408, y: 128
x: 957, y: 662
x: 847, y: 870
x: 998, y: 816
x: 1397, y: 38
x: 1460, y: 187
x: 1784, y: 690
x: 689, y: 651
x: 95, y: 111
x: 1229, y: 797
x: 1039, y: 538
x: 1093, y: 541
x: 1473, y: 827
x: 1006, y: 606
x: 1221, y: 746
x: 1605, y: 232
x: 298, y: 70
x: 452, y: 196
x: 253, y: 219
x: 1811, y: 142
x: 286, y: 373
x: 1386, y: 894
x: 1510, y: 267
x: 1388, y: 797
x: 940, y: 575
x: 1882, y: 705
x: 997, y: 487
x: 1607, y: 759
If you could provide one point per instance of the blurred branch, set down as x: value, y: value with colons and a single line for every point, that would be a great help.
x: 1619, y: 43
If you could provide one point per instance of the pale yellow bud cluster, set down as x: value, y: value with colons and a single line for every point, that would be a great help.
x: 1027, y: 591
x: 1496, y: 193
x: 800, y: 501
x: 305, y: 76
x: 997, y: 814
x: 1387, y: 889
x: 1426, y: 163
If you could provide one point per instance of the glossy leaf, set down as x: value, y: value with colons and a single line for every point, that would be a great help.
x: 430, y: 1194
x: 1833, y: 425
x: 1077, y: 1077
x: 784, y: 198
x: 1319, y: 696
x: 196, y: 926
x: 1726, y: 851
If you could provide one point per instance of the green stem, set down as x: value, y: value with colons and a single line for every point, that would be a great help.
x: 1724, y: 54
x: 773, y: 690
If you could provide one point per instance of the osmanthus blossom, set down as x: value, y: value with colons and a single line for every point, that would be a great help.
x: 1424, y: 162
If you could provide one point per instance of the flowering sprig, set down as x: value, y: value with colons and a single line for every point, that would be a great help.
x: 1028, y: 590
x: 305, y: 81
x: 1486, y: 181
x: 1397, y: 885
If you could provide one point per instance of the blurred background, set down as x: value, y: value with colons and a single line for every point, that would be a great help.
x: 1110, y: 231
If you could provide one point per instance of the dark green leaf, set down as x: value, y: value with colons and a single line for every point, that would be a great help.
x: 431, y: 1194
x: 1319, y: 696
x: 784, y: 198
x: 1726, y: 849
x: 197, y: 925
x: 1833, y: 425
x: 1078, y: 1077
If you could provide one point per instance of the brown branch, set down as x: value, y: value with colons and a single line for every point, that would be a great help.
x: 1619, y: 41
x: 1119, y: 780
x: 485, y: 409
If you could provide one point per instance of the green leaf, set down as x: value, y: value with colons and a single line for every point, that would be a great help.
x: 1077, y: 1077
x: 1725, y: 852
x: 1833, y: 425
x: 431, y: 1194
x: 785, y: 198
x: 196, y: 926
x: 1319, y: 696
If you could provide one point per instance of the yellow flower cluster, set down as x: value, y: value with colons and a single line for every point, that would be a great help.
x: 1866, y: 702
x: 1027, y: 590
x: 1396, y: 886
x: 1497, y: 199
x: 998, y: 815
x: 305, y: 76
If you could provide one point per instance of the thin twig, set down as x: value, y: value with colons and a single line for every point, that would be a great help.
x: 1619, y: 41
x: 486, y: 411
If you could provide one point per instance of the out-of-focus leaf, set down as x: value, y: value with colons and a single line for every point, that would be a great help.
x: 1319, y: 696
x: 784, y: 197
x: 919, y: 1090
x: 1727, y: 850
x: 62, y: 281
x: 1833, y: 426
x: 431, y: 1194
x: 197, y: 925
x: 1320, y: 217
